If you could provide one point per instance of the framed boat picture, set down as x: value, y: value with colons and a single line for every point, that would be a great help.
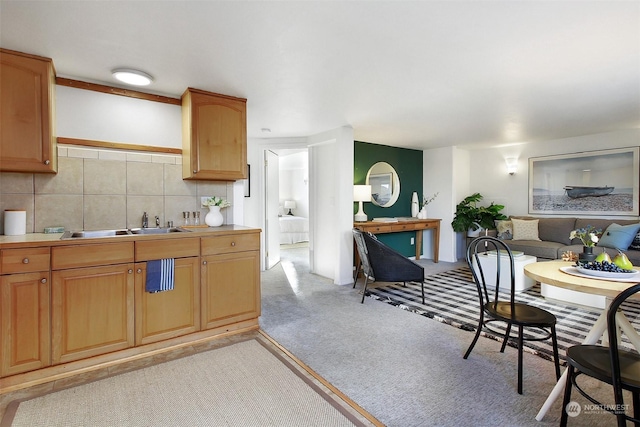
x: 588, y: 183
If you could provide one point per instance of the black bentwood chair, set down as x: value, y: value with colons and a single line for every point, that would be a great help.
x: 383, y: 264
x: 620, y: 368
x: 488, y: 273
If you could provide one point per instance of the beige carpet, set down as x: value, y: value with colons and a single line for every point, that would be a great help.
x: 250, y: 383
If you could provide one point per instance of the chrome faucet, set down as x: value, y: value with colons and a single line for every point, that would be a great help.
x: 145, y: 220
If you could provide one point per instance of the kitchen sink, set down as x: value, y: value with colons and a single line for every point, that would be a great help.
x: 90, y: 234
x: 156, y: 230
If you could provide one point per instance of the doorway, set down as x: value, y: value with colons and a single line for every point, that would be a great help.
x: 293, y: 203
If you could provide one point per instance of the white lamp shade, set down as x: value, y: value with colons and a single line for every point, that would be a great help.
x: 362, y: 193
x: 289, y: 204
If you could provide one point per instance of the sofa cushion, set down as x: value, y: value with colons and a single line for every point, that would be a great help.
x: 525, y: 229
x: 536, y: 248
x: 556, y: 229
x: 600, y: 224
x: 618, y: 236
x: 505, y: 229
x: 635, y: 244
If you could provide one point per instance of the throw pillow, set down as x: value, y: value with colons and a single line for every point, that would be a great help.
x: 635, y: 244
x: 619, y: 236
x: 505, y: 230
x: 525, y: 229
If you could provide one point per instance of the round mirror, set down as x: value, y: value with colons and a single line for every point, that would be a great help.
x: 385, y: 184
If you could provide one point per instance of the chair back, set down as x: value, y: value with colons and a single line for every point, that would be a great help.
x: 362, y: 253
x: 391, y: 266
x: 491, y: 260
x: 613, y: 330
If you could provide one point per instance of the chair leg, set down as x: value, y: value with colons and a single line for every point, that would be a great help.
x: 422, y: 286
x: 636, y: 408
x: 520, y: 349
x: 355, y: 277
x: 567, y: 396
x: 506, y: 338
x: 475, y: 339
x: 556, y: 358
x: 364, y: 289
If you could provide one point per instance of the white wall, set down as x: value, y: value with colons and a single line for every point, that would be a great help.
x: 492, y: 180
x: 457, y: 173
x: 87, y: 114
x: 331, y: 204
x: 446, y: 171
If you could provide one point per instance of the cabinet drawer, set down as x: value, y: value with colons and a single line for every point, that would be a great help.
x: 379, y: 229
x: 230, y: 243
x: 25, y: 260
x: 91, y: 255
x: 168, y: 248
x: 405, y: 227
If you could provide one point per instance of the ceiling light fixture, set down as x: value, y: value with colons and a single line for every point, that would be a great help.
x: 132, y: 77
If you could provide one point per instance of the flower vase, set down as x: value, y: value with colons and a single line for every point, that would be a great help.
x: 214, y: 218
x: 415, y: 207
x: 423, y: 213
x: 587, y: 254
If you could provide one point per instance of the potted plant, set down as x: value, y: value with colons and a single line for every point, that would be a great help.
x: 471, y: 217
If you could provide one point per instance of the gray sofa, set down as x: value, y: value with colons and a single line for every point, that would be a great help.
x: 554, y: 238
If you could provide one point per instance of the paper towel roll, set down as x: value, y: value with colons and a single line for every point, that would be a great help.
x: 15, y: 222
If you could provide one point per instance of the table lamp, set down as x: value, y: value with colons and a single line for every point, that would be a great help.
x: 361, y: 193
x: 289, y: 204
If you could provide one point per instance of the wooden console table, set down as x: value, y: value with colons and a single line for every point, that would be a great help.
x: 414, y: 224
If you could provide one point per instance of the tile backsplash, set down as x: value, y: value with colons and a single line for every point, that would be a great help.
x: 107, y: 189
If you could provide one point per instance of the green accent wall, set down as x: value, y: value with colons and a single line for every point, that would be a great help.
x: 408, y: 165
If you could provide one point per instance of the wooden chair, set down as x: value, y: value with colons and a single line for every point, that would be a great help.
x: 504, y: 308
x: 609, y: 364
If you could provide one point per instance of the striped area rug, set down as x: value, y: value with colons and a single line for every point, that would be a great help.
x: 451, y: 297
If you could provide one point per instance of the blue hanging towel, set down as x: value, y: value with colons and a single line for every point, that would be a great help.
x: 160, y: 275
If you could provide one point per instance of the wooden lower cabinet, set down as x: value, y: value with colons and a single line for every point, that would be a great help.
x: 92, y: 311
x: 24, y: 319
x: 230, y: 288
x: 168, y: 314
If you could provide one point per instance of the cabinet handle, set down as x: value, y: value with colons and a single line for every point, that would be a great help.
x: 195, y: 171
x: 130, y: 271
x: 204, y: 262
x: 25, y: 261
x: 43, y: 280
x: 46, y: 162
x: 139, y: 271
x: 233, y: 243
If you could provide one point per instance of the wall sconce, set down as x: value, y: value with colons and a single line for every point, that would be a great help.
x: 512, y: 164
x: 361, y: 193
x: 289, y: 204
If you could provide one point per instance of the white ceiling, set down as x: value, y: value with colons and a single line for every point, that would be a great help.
x: 415, y: 74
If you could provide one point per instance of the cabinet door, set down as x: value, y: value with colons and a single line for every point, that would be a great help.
x: 230, y: 288
x: 168, y: 314
x: 92, y: 311
x: 24, y: 319
x: 214, y: 136
x: 27, y: 141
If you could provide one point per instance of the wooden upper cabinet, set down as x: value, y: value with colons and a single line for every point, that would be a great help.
x: 27, y: 88
x: 214, y: 136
